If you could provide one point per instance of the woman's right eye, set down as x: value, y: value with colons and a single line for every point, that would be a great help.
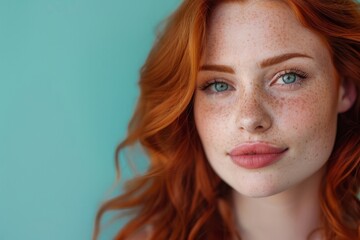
x: 216, y: 87
x: 219, y: 87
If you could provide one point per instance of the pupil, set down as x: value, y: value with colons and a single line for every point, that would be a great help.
x: 221, y: 87
x: 289, y: 78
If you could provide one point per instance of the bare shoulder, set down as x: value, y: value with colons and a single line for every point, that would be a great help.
x: 144, y: 234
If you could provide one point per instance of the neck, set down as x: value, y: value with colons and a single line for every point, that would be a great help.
x: 292, y: 214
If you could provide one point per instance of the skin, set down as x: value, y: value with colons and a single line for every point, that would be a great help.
x: 256, y: 105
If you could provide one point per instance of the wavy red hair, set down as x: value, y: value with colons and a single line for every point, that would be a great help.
x: 180, y: 196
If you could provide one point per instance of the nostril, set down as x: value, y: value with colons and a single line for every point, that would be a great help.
x: 257, y: 121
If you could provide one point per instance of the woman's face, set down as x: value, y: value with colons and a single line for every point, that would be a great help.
x: 267, y: 98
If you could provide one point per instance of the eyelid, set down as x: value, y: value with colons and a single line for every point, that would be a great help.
x: 207, y: 84
x: 299, y: 73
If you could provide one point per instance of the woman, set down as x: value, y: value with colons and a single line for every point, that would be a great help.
x: 249, y: 113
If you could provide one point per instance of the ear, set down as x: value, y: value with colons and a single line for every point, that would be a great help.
x: 347, y: 95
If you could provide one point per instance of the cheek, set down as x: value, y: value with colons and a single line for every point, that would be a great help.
x: 213, y: 121
x: 310, y: 119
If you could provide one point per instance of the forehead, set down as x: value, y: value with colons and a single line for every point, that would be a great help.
x: 258, y: 28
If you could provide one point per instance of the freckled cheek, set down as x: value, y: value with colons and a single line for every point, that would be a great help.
x: 307, y: 116
x: 212, y: 119
x: 293, y: 113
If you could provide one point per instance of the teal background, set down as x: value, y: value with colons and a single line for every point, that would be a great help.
x: 68, y: 85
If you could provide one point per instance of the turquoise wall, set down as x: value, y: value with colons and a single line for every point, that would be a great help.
x: 68, y: 85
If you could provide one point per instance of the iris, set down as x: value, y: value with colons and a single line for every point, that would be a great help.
x: 220, y: 87
x: 289, y: 78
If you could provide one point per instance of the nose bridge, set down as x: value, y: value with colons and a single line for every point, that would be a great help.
x: 252, y: 113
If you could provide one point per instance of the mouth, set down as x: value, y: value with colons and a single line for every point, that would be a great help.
x: 256, y: 155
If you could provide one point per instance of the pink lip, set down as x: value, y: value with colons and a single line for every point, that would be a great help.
x: 256, y: 155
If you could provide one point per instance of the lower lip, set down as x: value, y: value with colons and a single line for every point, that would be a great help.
x: 257, y: 160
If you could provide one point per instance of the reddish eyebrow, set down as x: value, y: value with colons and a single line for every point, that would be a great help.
x: 265, y: 63
x: 218, y: 68
x: 281, y: 58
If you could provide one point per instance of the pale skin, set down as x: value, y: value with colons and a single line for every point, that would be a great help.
x: 291, y: 102
x: 253, y: 103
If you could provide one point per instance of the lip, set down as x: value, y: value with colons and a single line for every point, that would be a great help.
x: 256, y: 155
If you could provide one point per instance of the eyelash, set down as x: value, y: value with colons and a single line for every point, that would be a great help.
x: 299, y: 74
x: 207, y: 84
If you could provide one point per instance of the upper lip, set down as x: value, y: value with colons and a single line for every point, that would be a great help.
x: 256, y: 148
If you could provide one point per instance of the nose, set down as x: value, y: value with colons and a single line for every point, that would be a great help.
x: 252, y: 115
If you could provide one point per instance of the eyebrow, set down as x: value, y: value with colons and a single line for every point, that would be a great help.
x: 281, y: 58
x: 265, y: 63
x: 218, y: 68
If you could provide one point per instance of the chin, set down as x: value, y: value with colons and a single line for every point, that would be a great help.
x: 259, y: 190
x: 258, y: 193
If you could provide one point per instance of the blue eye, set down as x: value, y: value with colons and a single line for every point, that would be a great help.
x: 289, y: 78
x: 220, y: 86
x: 216, y: 86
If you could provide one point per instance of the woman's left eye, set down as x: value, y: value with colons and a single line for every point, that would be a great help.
x: 290, y: 77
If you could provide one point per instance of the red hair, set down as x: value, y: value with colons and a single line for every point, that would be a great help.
x: 180, y: 196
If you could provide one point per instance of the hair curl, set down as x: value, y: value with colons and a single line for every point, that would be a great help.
x: 180, y: 196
